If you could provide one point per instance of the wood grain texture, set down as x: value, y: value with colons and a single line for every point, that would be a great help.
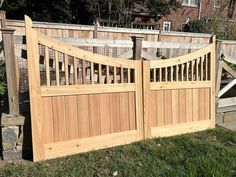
x: 189, y: 105
x: 114, y: 112
x: 71, y: 117
x: 160, y: 108
x: 124, y: 111
x: 153, y: 110
x: 132, y: 114
x: 196, y: 109
x: 58, y: 108
x: 83, y: 116
x: 168, y: 107
x: 105, y: 113
x: 175, y: 106
x: 48, y: 123
x: 94, y: 115
x: 182, y: 105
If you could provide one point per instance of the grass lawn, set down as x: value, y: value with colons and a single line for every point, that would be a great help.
x: 209, y: 153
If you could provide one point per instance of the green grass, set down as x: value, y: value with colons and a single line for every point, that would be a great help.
x: 209, y: 153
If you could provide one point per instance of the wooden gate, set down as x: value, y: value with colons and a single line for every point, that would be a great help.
x: 81, y: 101
x: 179, y: 93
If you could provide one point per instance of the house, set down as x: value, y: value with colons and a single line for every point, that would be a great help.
x: 196, y: 9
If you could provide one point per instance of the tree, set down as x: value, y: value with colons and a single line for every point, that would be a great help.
x: 161, y: 7
x: 3, y: 82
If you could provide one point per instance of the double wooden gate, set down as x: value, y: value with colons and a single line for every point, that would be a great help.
x: 81, y: 101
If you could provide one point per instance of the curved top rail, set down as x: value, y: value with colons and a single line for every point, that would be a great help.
x: 83, y: 54
x: 80, y: 53
x: 182, y: 59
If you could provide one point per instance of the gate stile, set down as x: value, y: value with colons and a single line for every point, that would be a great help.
x: 179, y: 93
x: 81, y: 101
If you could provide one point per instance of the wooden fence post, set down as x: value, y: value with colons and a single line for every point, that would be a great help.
x: 3, y: 18
x: 139, y: 97
x: 10, y: 59
x: 137, y: 47
x: 95, y: 35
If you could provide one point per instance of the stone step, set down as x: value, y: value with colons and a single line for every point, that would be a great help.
x: 231, y: 125
x: 229, y: 116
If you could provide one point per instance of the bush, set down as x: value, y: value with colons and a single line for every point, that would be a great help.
x: 3, y: 82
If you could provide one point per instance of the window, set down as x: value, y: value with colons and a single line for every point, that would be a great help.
x: 190, y: 3
x: 166, y: 26
x: 217, y: 4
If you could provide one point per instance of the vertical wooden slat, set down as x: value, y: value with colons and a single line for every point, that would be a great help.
x: 47, y: 66
x: 66, y: 57
x: 196, y: 69
x: 94, y: 115
x: 58, y: 108
x: 128, y: 75
x: 154, y: 75
x: 177, y: 73
x: 83, y: 71
x: 121, y: 75
x: 139, y: 98
x: 105, y: 113
x: 189, y: 105
x: 92, y: 72
x: 114, y: 112
x: 202, y: 104
x: 192, y: 69
x: 207, y: 101
x: 171, y: 73
x: 124, y: 111
x: 107, y: 74
x: 196, y: 105
x: 132, y: 116
x: 187, y: 71
x: 182, y: 105
x: 212, y: 58
x: 75, y: 71
x: 57, y: 68
x: 175, y: 106
x: 35, y: 90
x: 83, y: 116
x: 48, y: 132
x: 160, y: 74
x: 206, y: 67
x: 146, y: 99
x: 100, y: 73
x: 160, y: 107
x: 201, y: 69
x: 182, y: 72
x: 166, y: 74
x: 167, y: 107
x: 153, y: 111
x: 114, y: 75
x: 71, y: 117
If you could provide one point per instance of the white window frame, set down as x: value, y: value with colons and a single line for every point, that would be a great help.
x: 217, y: 4
x: 189, y: 3
x: 166, y: 23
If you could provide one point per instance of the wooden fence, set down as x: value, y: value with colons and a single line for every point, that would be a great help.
x: 119, y: 102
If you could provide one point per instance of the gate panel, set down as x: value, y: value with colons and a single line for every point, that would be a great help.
x: 80, y: 101
x: 179, y: 93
